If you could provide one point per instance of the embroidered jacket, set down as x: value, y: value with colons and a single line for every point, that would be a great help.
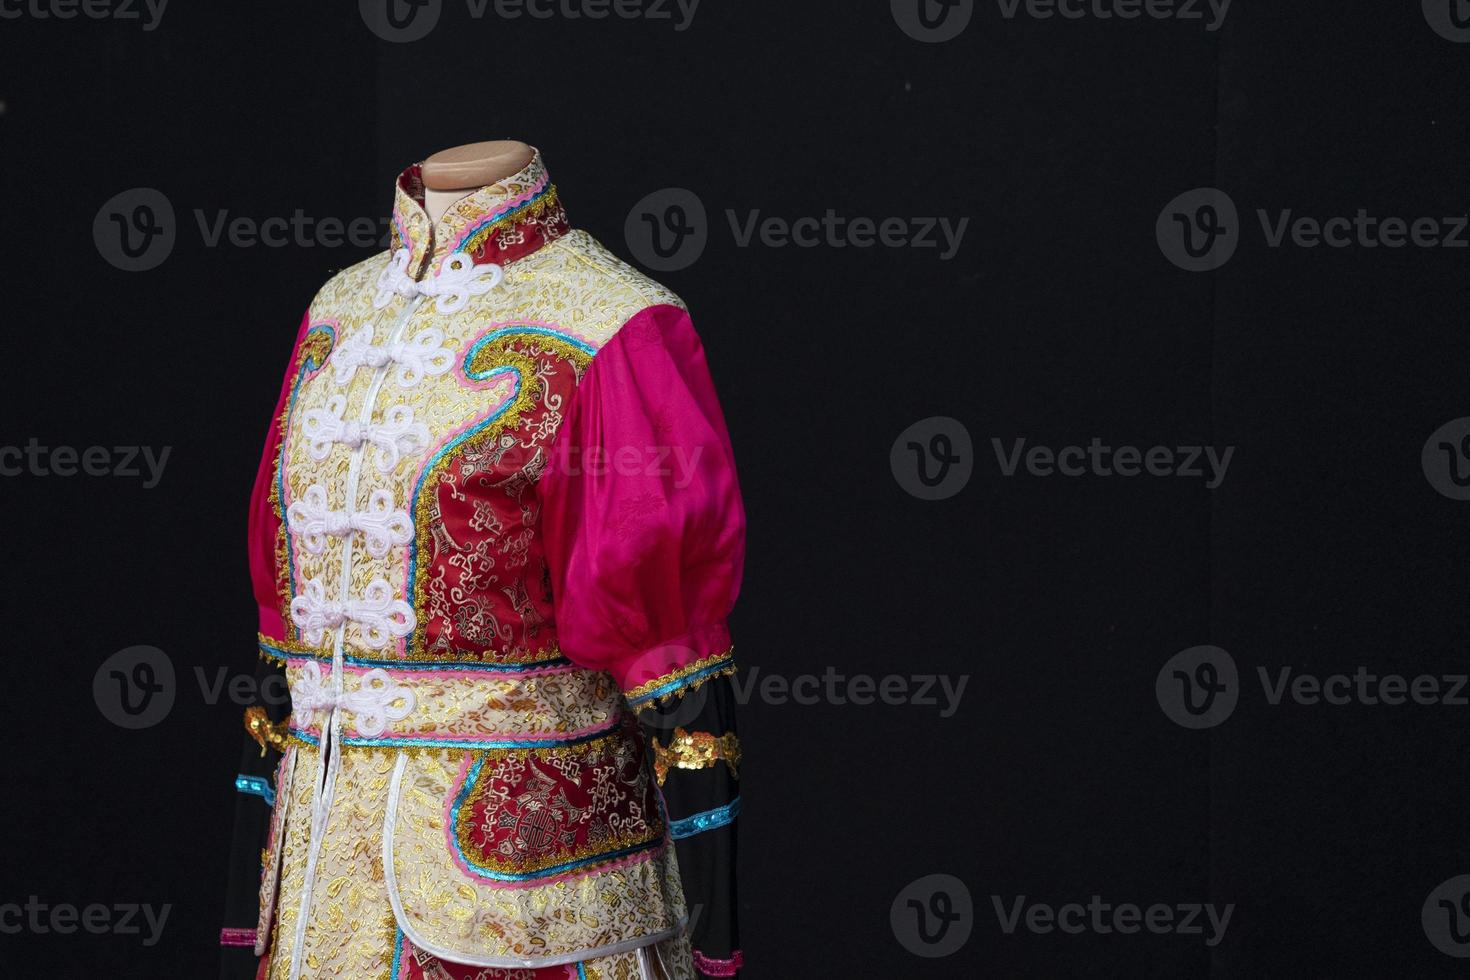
x: 495, y: 536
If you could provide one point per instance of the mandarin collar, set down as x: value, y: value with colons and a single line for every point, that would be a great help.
x: 498, y: 223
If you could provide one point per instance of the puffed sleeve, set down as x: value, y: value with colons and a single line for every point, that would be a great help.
x: 645, y: 543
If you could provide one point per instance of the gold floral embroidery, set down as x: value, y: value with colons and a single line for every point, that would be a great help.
x: 696, y: 750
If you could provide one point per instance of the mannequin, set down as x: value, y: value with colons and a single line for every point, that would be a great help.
x: 461, y: 170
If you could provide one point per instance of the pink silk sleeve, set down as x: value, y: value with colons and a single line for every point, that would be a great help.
x: 264, y: 525
x: 643, y: 522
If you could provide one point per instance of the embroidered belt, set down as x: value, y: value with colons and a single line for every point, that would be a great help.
x: 387, y: 704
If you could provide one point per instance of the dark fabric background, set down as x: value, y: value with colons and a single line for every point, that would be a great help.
x: 1059, y: 777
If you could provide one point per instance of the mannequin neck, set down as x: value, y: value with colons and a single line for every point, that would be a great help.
x: 455, y: 173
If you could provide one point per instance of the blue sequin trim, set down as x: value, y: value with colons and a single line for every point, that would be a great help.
x: 256, y: 786
x: 720, y: 816
x: 397, y: 955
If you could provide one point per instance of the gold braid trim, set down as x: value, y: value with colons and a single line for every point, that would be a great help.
x: 548, y: 201
x: 696, y: 750
x: 267, y: 734
x: 725, y: 669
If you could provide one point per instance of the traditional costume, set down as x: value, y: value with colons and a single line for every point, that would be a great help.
x: 495, y: 536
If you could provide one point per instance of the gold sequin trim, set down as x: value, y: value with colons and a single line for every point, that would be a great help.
x: 267, y: 734
x: 696, y: 750
x: 717, y: 666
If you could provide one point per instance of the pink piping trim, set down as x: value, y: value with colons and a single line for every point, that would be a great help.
x: 237, y: 937
x: 719, y: 968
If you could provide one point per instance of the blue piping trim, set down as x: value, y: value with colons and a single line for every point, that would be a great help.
x: 459, y: 800
x: 720, y: 816
x: 397, y: 955
x: 666, y: 689
x: 256, y: 786
x: 495, y: 335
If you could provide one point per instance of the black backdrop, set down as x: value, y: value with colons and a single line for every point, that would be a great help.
x: 1328, y: 547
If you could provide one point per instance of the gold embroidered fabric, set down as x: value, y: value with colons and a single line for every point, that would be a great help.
x: 494, y: 689
x: 695, y: 750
